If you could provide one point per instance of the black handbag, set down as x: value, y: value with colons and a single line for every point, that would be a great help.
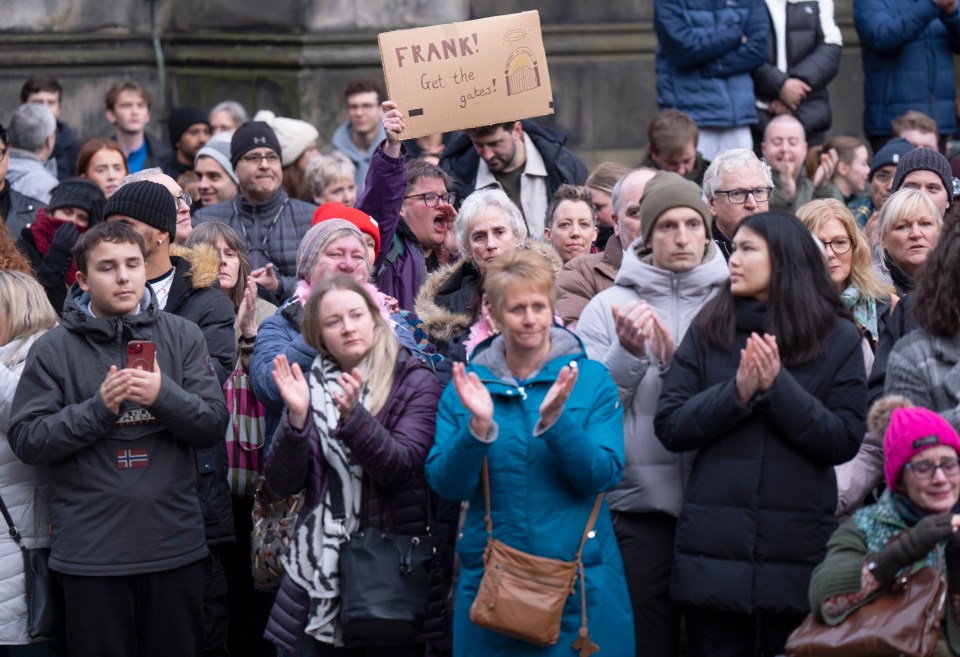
x: 44, y: 596
x: 384, y: 579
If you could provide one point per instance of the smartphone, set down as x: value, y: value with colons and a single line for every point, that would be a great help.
x: 140, y: 354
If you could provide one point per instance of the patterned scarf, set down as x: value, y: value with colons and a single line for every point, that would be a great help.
x: 864, y: 311
x: 313, y: 561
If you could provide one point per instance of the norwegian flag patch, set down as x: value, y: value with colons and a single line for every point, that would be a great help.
x: 132, y: 458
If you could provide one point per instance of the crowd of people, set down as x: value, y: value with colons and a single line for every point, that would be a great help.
x: 662, y: 374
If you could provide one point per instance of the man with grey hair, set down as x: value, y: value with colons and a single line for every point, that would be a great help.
x: 585, y: 276
x: 33, y: 135
x: 180, y: 197
x: 736, y: 185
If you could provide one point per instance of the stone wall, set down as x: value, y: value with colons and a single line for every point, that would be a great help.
x: 600, y: 55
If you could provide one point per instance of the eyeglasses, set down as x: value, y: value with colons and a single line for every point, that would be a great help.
x: 431, y: 200
x: 255, y: 160
x: 739, y: 196
x: 926, y: 469
x: 839, y: 246
x: 185, y: 198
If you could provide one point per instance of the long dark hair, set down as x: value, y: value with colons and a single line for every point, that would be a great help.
x: 802, y: 304
x: 938, y: 285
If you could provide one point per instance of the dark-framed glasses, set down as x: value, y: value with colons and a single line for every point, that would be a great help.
x: 739, y: 196
x: 925, y: 469
x: 255, y: 160
x: 431, y: 200
x: 839, y: 245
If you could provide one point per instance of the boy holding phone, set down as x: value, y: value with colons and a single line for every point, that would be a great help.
x: 127, y: 534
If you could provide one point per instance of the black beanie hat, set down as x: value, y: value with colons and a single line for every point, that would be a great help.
x: 180, y: 120
x: 250, y: 135
x: 78, y: 193
x: 145, y: 201
x: 924, y: 159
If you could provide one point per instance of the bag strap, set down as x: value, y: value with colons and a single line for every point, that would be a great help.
x: 584, y: 644
x: 13, y: 531
x: 337, y: 510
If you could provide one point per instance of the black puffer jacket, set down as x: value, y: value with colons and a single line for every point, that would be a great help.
x: 759, y: 505
x: 461, y: 161
x: 195, y: 295
x: 813, y: 45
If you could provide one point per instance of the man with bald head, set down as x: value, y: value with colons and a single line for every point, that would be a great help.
x: 585, y: 276
x: 784, y: 147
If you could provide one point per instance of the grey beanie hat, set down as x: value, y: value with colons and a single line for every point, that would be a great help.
x: 218, y: 149
x: 925, y: 159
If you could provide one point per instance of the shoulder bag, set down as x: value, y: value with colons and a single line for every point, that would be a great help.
x: 44, y: 597
x: 522, y: 595
x: 273, y: 525
x: 902, y: 621
x: 384, y: 578
x: 244, y: 433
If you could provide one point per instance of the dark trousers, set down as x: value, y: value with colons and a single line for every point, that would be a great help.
x: 646, y: 545
x: 215, y: 601
x: 248, y: 609
x: 148, y: 615
x: 714, y: 633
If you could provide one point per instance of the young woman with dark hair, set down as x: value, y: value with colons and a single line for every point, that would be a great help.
x: 769, y: 386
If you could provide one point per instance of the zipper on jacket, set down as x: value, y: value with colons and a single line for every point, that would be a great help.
x: 123, y: 361
x: 675, y: 304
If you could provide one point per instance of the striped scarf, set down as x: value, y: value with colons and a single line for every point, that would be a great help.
x: 313, y: 561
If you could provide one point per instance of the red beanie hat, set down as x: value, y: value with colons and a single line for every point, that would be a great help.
x: 911, y: 431
x: 361, y: 220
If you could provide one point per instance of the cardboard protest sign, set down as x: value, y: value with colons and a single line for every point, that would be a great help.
x: 461, y: 75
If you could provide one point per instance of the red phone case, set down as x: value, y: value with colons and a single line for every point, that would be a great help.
x: 140, y: 355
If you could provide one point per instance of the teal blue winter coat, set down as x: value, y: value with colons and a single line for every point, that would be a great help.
x: 542, y: 489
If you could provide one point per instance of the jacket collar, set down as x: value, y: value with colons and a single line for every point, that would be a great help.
x: 267, y: 208
x: 76, y: 319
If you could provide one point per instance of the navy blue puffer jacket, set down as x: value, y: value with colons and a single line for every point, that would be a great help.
x: 703, y: 63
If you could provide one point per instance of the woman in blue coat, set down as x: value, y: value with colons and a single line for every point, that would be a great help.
x: 550, y: 425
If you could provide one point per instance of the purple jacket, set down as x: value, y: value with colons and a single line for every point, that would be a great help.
x: 400, y: 268
x: 391, y: 447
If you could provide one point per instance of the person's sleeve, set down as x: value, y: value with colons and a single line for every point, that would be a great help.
x: 746, y: 56
x: 952, y: 23
x: 8, y: 388
x: 857, y: 477
x: 287, y: 464
x: 767, y: 80
x: 217, y: 323
x: 572, y: 292
x: 273, y: 339
x: 382, y: 196
x: 690, y: 416
x: 194, y: 411
x: 840, y: 573
x: 625, y: 369
x: 829, y: 431
x: 454, y: 462
x: 890, y: 332
x: 590, y: 455
x: 687, y: 46
x: 288, y: 284
x: 396, y: 457
x: 42, y: 428
x: 821, y: 65
x: 886, y: 31
x: 908, y: 374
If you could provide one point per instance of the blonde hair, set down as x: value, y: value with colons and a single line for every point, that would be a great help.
x: 325, y: 170
x: 902, y: 203
x: 379, y: 364
x: 521, y: 266
x: 863, y: 275
x: 24, y: 307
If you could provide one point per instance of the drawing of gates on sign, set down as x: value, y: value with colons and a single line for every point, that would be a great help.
x: 521, y: 72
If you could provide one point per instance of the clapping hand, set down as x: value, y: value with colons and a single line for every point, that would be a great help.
x: 558, y: 394
x: 659, y: 339
x: 293, y: 388
x: 247, y: 313
x: 352, y: 385
x: 629, y: 324
x: 475, y: 398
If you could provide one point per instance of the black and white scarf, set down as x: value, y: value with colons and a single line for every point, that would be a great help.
x: 313, y: 560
